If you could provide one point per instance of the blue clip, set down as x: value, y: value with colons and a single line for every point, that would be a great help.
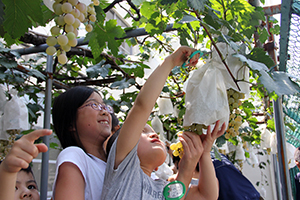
x: 188, y: 60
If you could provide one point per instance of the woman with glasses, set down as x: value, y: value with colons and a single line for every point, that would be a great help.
x: 82, y: 123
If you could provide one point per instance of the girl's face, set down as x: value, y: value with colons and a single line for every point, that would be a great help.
x: 150, y: 148
x: 93, y: 125
x: 26, y: 187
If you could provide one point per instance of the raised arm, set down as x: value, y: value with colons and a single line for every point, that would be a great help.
x: 145, y: 101
x: 21, y: 154
x: 207, y: 188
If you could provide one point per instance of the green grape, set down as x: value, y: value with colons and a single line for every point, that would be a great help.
x: 92, y: 18
x: 88, y: 27
x: 76, y: 23
x: 51, y: 41
x: 62, y: 40
x: 51, y: 50
x: 73, y: 43
x: 230, y: 100
x: 81, y: 17
x: 81, y: 7
x: 196, y: 128
x: 71, y: 36
x: 57, y: 8
x: 69, y: 19
x: 62, y: 58
x: 75, y: 12
x: 66, y: 48
x: 75, y: 32
x: 235, y: 105
x: 66, y: 7
x: 96, y: 2
x: 60, y: 20
x: 73, y: 2
x: 55, y: 30
x: 69, y: 28
x: 230, y: 92
x: 236, y: 95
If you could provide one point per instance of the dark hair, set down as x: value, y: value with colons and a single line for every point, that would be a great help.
x: 28, y: 170
x: 114, y: 122
x: 111, y: 140
x: 64, y: 115
x: 297, y: 154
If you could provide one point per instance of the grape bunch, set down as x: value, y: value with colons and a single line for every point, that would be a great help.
x: 235, y: 118
x: 71, y: 13
x: 196, y: 128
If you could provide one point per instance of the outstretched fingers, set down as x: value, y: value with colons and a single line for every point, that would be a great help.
x: 24, y: 150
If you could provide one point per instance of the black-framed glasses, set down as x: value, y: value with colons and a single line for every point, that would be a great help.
x: 99, y: 107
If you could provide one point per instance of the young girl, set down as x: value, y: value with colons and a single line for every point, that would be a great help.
x: 16, y: 178
x: 137, y: 151
x: 82, y: 123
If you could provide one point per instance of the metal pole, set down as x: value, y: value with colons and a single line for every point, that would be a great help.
x: 277, y: 177
x: 47, y: 113
x: 281, y: 151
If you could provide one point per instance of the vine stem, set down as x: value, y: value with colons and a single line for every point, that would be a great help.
x: 219, y: 52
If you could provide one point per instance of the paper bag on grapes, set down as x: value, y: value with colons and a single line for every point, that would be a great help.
x: 206, y: 98
x: 239, y: 71
x: 15, y: 114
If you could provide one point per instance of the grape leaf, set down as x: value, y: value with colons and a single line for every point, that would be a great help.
x: 187, y: 18
x: 122, y: 84
x: 280, y: 83
x: 259, y: 55
x: 8, y: 63
x: 98, y: 69
x: 37, y: 74
x: 112, y: 32
x: 18, y: 15
x: 197, y: 4
x: 96, y: 46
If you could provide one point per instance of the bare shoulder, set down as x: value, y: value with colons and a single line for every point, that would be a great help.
x: 70, y: 182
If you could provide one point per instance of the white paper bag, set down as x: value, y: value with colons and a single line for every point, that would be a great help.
x: 206, y: 97
x: 165, y: 105
x: 15, y: 114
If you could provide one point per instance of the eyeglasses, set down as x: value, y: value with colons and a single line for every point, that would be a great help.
x: 99, y: 107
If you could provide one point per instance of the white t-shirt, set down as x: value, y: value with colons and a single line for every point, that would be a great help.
x: 91, y: 167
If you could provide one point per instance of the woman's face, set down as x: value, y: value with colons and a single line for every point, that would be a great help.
x: 93, y: 125
x: 26, y: 187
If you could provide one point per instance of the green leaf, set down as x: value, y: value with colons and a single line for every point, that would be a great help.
x: 259, y: 55
x: 8, y: 63
x: 98, y: 69
x: 37, y: 74
x: 112, y: 32
x: 217, y: 153
x: 280, y: 83
x: 18, y: 15
x: 137, y: 2
x: 263, y: 36
x: 197, y: 4
x: 122, y: 84
x: 187, y: 19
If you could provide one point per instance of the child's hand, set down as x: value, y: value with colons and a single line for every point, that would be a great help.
x: 182, y: 54
x: 193, y: 149
x: 209, y: 138
x: 24, y: 150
